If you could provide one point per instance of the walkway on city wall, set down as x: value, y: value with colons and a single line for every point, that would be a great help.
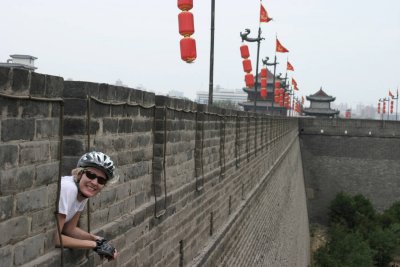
x: 272, y: 229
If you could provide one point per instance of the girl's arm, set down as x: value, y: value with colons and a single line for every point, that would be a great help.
x: 72, y: 236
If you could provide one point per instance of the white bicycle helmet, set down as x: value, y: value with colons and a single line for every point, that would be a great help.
x: 99, y: 161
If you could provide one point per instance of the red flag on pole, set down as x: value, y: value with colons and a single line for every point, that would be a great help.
x: 264, y: 15
x: 280, y: 48
x: 390, y: 94
x: 294, y: 83
x: 289, y: 66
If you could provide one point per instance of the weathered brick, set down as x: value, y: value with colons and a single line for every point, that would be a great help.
x: 47, y: 173
x: 54, y: 86
x: 16, y: 180
x: 20, y: 81
x: 74, y: 126
x: 117, y: 111
x: 47, y: 128
x: 5, y: 78
x: 6, y: 207
x: 6, y: 256
x: 31, y: 200
x: 34, y: 152
x: 14, y: 230
x: 43, y: 220
x: 75, y: 107
x: 29, y: 249
x: 38, y: 84
x: 110, y: 125
x: 73, y: 146
x: 99, y: 110
x: 17, y: 129
x: 8, y: 155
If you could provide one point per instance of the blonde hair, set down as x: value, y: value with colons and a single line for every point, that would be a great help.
x: 77, y: 173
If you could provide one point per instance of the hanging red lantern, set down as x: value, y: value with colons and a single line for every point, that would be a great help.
x: 249, y: 79
x: 379, y: 107
x: 391, y: 106
x: 263, y: 92
x: 186, y: 23
x: 247, y: 65
x: 264, y: 73
x: 263, y: 83
x: 384, y: 108
x: 185, y: 5
x: 277, y: 84
x: 188, y: 49
x: 244, y: 51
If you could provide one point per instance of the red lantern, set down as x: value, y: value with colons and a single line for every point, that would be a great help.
x: 277, y: 84
x: 186, y: 23
x: 379, y: 107
x: 249, y: 79
x: 263, y: 83
x: 263, y: 92
x: 384, y: 108
x: 244, y: 51
x: 264, y: 73
x: 188, y: 49
x: 391, y: 106
x: 247, y: 65
x: 185, y: 5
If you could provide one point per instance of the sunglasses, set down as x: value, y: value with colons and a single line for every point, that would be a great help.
x: 92, y: 176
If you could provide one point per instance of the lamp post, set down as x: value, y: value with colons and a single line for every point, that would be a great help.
x: 245, y: 37
x: 265, y: 62
x: 211, y: 80
x: 383, y: 100
x: 397, y: 101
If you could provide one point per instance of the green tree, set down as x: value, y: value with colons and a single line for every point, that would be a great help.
x: 344, y: 249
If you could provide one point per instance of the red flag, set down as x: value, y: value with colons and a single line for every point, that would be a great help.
x: 289, y: 66
x: 294, y: 83
x: 280, y: 48
x: 264, y: 15
x: 302, y: 100
x: 390, y: 94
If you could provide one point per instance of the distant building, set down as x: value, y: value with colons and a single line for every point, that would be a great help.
x: 219, y: 94
x: 20, y: 61
x: 176, y: 94
x: 320, y: 105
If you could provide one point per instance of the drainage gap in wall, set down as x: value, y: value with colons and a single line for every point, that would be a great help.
x: 230, y: 205
x: 181, y: 253
x: 211, y: 223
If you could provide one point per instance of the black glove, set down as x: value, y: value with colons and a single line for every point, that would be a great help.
x: 104, y: 249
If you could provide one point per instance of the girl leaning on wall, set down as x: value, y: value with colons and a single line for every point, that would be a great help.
x: 94, y: 170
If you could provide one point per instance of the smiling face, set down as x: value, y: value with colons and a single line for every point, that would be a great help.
x: 90, y: 187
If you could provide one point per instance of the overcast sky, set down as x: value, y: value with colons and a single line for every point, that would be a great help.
x: 349, y: 47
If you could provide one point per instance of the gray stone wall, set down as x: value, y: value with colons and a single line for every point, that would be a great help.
x: 353, y: 156
x: 184, y: 170
x: 29, y: 164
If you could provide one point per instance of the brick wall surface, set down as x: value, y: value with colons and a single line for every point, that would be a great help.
x: 184, y: 170
x: 362, y: 160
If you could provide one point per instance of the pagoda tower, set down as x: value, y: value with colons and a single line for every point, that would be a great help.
x: 320, y: 105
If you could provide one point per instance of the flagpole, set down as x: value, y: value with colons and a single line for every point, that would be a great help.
x: 397, y: 101
x: 211, y: 79
x: 388, y: 105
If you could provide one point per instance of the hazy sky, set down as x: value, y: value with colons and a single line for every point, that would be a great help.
x: 349, y: 47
